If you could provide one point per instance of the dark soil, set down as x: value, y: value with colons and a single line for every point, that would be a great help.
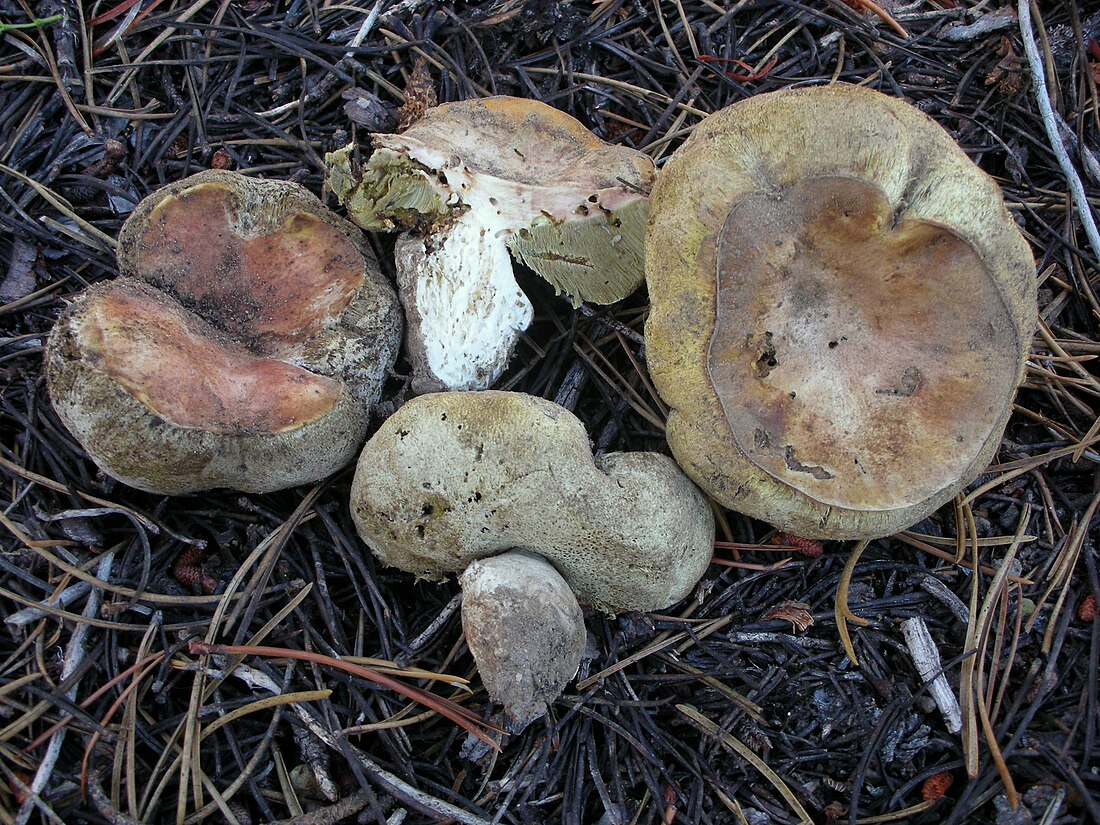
x: 105, y: 102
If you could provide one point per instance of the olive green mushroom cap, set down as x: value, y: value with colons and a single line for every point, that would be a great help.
x: 243, y: 345
x: 841, y: 309
x: 454, y: 477
x: 474, y: 180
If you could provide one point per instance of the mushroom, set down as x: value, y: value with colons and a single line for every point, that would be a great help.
x: 453, y: 478
x: 243, y: 345
x: 525, y: 629
x: 841, y: 309
x: 473, y: 180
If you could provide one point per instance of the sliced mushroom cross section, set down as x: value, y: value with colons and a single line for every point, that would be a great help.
x: 474, y: 180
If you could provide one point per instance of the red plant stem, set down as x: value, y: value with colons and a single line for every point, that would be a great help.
x: 151, y: 659
x: 466, y: 719
x: 98, y: 50
x: 111, y: 14
x: 876, y: 9
x: 749, y: 73
x: 106, y: 720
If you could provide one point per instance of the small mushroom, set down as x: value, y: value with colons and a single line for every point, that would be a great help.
x: 471, y: 181
x: 243, y: 345
x: 452, y: 478
x: 841, y: 311
x: 527, y: 657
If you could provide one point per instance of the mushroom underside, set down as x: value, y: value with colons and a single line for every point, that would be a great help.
x: 474, y: 180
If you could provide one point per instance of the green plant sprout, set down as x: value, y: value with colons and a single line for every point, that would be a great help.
x: 34, y: 24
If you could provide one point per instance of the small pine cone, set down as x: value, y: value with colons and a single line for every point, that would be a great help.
x: 804, y: 547
x: 221, y: 159
x: 936, y: 786
x: 1086, y: 611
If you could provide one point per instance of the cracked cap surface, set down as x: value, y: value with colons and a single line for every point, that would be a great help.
x: 242, y: 346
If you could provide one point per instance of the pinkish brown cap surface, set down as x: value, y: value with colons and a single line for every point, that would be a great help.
x: 242, y: 347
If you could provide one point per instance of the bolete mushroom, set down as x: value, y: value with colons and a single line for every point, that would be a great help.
x: 453, y: 478
x: 841, y: 311
x: 243, y: 345
x: 525, y: 629
x: 473, y: 180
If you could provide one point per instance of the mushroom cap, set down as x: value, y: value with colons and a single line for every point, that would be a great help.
x: 571, y: 207
x: 841, y: 309
x: 454, y: 477
x: 243, y: 345
x: 525, y: 629
x: 473, y: 181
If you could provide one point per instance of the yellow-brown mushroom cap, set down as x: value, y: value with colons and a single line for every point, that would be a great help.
x: 458, y: 476
x: 841, y: 310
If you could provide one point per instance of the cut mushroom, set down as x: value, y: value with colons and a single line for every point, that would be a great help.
x: 468, y: 183
x: 452, y: 478
x: 243, y: 346
x: 841, y: 311
x: 525, y: 630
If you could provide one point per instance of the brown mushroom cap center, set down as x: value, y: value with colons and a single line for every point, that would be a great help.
x: 182, y: 369
x: 267, y: 283
x: 857, y: 360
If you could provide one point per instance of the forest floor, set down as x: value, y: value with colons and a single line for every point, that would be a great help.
x: 738, y: 705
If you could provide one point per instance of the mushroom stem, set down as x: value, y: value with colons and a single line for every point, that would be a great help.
x: 464, y: 307
x: 525, y: 630
x: 473, y: 180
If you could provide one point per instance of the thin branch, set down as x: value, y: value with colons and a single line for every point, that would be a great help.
x: 1050, y: 124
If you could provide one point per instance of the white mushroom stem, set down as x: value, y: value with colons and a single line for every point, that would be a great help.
x: 464, y: 307
x: 926, y: 657
x: 475, y: 180
x: 525, y: 630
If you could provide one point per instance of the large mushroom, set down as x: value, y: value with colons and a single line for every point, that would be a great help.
x: 505, y: 484
x: 243, y: 345
x: 841, y: 311
x: 474, y: 180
